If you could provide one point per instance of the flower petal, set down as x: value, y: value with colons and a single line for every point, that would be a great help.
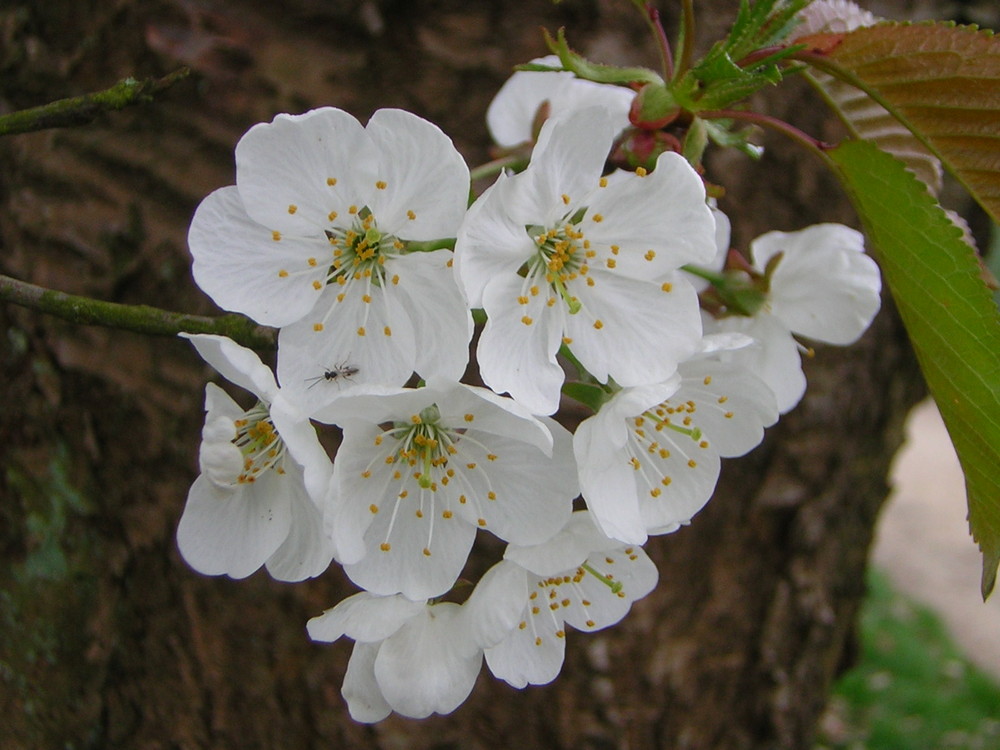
x: 365, y: 617
x: 360, y: 689
x: 239, y: 365
x: 231, y: 532
x: 516, y: 356
x: 426, y: 180
x: 284, y: 169
x: 306, y: 551
x: 246, y: 267
x: 633, y: 331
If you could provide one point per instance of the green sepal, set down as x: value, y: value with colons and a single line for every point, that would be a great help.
x: 596, y: 72
x: 587, y: 394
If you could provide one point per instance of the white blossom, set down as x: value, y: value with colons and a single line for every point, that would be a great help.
x: 560, y: 255
x: 649, y: 459
x: 314, y: 239
x: 823, y: 287
x: 419, y: 471
x: 419, y: 658
x: 580, y: 578
x: 250, y: 506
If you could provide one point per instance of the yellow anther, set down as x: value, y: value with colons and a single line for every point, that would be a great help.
x: 447, y: 514
x: 598, y: 325
x: 419, y: 513
x: 723, y: 399
x: 331, y: 181
x: 527, y: 321
x: 361, y: 331
x: 565, y: 199
x: 283, y: 273
x: 385, y: 546
x: 410, y: 215
x: 331, y: 217
x: 373, y: 508
x: 352, y: 209
x: 312, y: 262
x: 395, y: 279
x: 692, y: 463
x: 707, y: 380
x: 649, y: 255
x: 481, y: 522
x: 567, y: 340
x: 317, y: 326
x: 667, y: 286
x: 611, y: 263
x: 293, y: 208
x: 641, y: 171
x: 366, y: 298
x: 603, y: 182
x: 275, y: 236
x: 598, y: 218
x: 380, y: 185
x: 387, y: 331
x: 366, y: 474
x: 615, y: 249
x: 522, y: 300
x: 655, y: 492
x: 340, y: 297
x: 491, y: 495
x: 317, y: 285
x: 728, y: 415
x: 534, y: 291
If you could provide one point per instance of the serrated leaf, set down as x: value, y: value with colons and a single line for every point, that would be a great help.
x: 943, y: 83
x: 583, y: 68
x: 949, y: 314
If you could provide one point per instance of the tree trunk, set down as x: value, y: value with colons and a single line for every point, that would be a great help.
x: 108, y: 639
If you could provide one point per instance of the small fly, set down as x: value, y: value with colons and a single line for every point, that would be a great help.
x: 334, y: 374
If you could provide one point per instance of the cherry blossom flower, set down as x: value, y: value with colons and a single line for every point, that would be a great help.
x: 512, y: 116
x: 419, y: 471
x: 649, y: 459
x: 822, y: 286
x: 559, y: 255
x: 419, y: 658
x: 580, y: 578
x: 315, y: 238
x: 250, y: 505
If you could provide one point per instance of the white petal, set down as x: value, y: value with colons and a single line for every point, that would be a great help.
x: 495, y: 606
x: 491, y: 413
x: 733, y: 405
x: 424, y: 174
x: 824, y: 287
x: 658, y: 222
x: 520, y: 358
x: 364, y: 617
x: 691, y: 472
x: 306, y: 551
x: 350, y: 497
x: 532, y: 494
x: 398, y: 541
x: 566, y: 550
x: 532, y: 654
x: 361, y: 691
x: 490, y: 242
x: 300, y: 438
x: 233, y: 532
x: 774, y: 358
x: 290, y: 161
x: 375, y: 339
x: 630, y: 568
x: 419, y: 671
x: 644, y: 329
x: 567, y: 161
x: 441, y: 321
x: 220, y: 460
x: 241, y: 265
x: 513, y: 110
x: 239, y: 365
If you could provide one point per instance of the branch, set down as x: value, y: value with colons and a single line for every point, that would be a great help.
x: 79, y: 110
x: 138, y: 318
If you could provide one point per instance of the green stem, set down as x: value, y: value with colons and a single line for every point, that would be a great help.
x: 138, y: 318
x: 79, y: 110
x: 815, y: 145
x: 686, y: 42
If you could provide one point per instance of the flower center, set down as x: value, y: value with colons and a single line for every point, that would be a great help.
x: 260, y: 444
x: 561, y: 257
x: 360, y: 250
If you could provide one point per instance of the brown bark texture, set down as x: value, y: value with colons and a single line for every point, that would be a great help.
x: 107, y: 638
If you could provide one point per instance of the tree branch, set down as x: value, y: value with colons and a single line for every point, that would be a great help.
x: 137, y: 318
x: 79, y: 110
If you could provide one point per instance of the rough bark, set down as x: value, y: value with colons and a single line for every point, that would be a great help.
x: 107, y: 639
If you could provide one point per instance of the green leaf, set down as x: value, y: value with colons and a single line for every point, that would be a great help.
x: 943, y: 83
x: 951, y: 318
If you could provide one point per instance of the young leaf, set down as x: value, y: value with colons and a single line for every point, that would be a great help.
x: 951, y: 318
x: 941, y: 81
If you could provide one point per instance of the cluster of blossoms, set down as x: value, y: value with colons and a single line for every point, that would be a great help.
x: 358, y: 244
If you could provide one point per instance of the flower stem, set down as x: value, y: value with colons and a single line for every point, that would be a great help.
x: 138, y: 318
x: 79, y: 110
x: 686, y: 41
x: 490, y: 168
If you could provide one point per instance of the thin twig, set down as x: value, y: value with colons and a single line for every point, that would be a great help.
x: 137, y: 318
x: 79, y: 110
